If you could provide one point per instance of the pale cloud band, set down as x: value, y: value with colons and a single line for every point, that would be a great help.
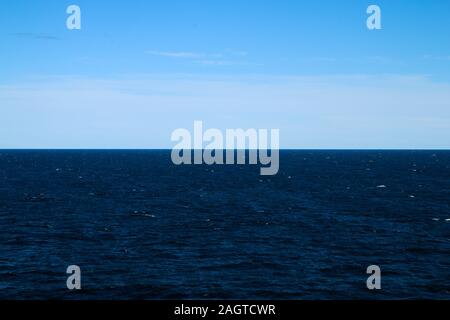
x: 227, y: 58
x: 347, y: 111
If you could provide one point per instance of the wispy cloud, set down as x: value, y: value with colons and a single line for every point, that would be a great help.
x: 340, y: 111
x: 176, y: 54
x: 380, y: 60
x: 33, y: 35
x: 215, y: 62
x: 227, y: 58
x: 237, y: 53
x: 319, y: 59
x: 436, y: 57
x: 368, y: 59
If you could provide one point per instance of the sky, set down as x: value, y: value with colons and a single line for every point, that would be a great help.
x: 138, y: 70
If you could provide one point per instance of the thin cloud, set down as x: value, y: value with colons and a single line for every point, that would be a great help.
x: 215, y: 62
x: 369, y: 59
x: 132, y: 111
x: 319, y: 60
x: 237, y: 53
x: 436, y: 58
x: 229, y: 57
x: 176, y: 54
x: 32, y: 35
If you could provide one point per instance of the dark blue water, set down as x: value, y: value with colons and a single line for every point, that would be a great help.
x: 140, y: 227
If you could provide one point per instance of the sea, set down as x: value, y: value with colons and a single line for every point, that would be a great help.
x: 140, y: 227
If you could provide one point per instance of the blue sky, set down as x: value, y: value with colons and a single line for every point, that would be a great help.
x: 137, y: 70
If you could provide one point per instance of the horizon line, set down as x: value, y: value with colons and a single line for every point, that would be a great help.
x: 170, y: 149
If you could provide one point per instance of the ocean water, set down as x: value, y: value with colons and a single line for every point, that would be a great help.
x: 140, y: 227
